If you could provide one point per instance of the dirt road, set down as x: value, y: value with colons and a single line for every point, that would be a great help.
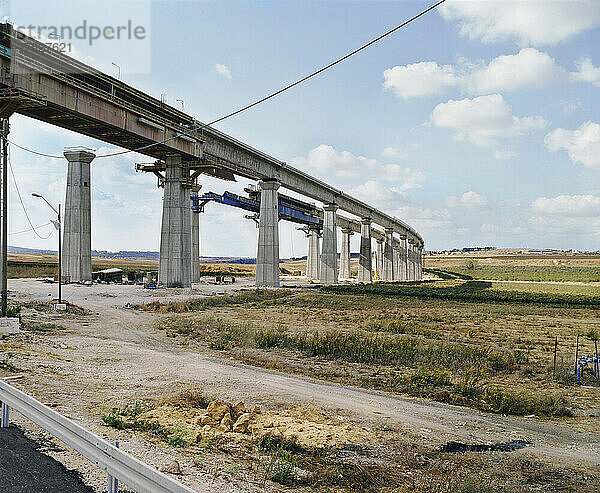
x: 115, y: 355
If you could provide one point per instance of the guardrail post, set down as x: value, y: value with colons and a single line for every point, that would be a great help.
x: 5, y: 421
x: 113, y: 483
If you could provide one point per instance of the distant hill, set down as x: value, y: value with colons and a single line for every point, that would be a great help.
x: 146, y: 255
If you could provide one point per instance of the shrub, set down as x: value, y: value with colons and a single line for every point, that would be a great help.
x: 280, y: 467
x: 114, y: 420
x: 271, y: 337
x: 197, y: 304
x: 428, y: 379
x: 178, y: 438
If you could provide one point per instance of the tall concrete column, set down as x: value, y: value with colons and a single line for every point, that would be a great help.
x: 308, y: 255
x: 403, y: 270
x: 267, y: 257
x: 416, y: 261
x: 365, y: 262
x: 379, y: 257
x: 329, y: 261
x: 388, y: 255
x: 411, y: 260
x: 313, y: 258
x: 396, y: 261
x: 77, y: 223
x: 175, y: 264
x: 195, y: 238
x: 345, y: 272
x: 420, y: 263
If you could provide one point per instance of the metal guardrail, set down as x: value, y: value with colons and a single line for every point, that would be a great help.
x: 118, y: 464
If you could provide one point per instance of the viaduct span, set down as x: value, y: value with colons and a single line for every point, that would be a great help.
x: 39, y: 82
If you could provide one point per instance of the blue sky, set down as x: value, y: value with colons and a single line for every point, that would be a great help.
x: 478, y: 124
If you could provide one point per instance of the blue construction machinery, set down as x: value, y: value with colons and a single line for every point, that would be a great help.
x: 290, y: 209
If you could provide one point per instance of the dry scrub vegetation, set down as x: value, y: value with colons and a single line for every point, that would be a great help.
x: 305, y: 449
x: 494, y: 357
x: 488, y: 346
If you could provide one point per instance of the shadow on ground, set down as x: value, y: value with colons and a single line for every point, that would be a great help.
x: 24, y: 468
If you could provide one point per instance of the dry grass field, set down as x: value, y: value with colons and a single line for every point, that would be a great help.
x: 25, y: 265
x: 474, y: 342
x: 516, y: 267
x: 484, y: 354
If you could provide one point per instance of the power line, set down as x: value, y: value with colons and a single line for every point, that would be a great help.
x: 54, y: 156
x: 23, y: 205
x: 326, y: 67
x: 262, y: 100
x: 35, y: 152
x: 30, y: 229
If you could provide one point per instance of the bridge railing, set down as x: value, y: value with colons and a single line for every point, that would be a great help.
x: 119, y: 465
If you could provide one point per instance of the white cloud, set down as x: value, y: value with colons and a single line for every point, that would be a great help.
x: 582, y: 144
x: 222, y: 70
x: 569, y: 216
x: 568, y: 205
x: 502, y: 229
x: 325, y: 162
x: 528, y: 22
x: 373, y: 192
x: 482, y: 119
x: 473, y: 200
x: 503, y: 155
x: 419, y: 79
x: 529, y: 68
x: 587, y: 72
x: 469, y: 200
x: 392, y: 152
x: 424, y: 218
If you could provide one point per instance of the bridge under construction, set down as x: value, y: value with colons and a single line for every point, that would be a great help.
x: 39, y: 82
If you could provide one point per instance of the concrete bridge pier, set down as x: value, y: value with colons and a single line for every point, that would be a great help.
x: 365, y: 262
x: 267, y: 257
x: 195, y: 238
x: 420, y: 263
x: 411, y: 259
x: 415, y: 261
x: 379, y: 257
x: 403, y: 276
x: 345, y: 272
x: 388, y: 255
x: 313, y: 258
x: 396, y: 260
x: 77, y: 223
x: 329, y: 260
x: 175, y: 264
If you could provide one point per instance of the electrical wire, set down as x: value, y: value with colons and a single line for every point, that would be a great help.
x: 23, y: 205
x: 30, y: 229
x: 326, y: 67
x: 262, y: 100
x: 54, y: 156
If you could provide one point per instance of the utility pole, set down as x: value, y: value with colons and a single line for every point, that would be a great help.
x: 58, y: 226
x: 59, y: 258
x: 4, y: 253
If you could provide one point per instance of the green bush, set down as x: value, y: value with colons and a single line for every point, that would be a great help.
x: 178, y: 438
x: 280, y: 467
x: 270, y: 337
x: 428, y: 379
x: 362, y: 347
